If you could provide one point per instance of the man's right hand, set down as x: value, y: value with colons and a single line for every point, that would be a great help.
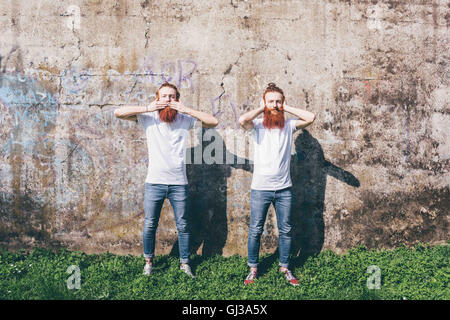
x: 156, y: 105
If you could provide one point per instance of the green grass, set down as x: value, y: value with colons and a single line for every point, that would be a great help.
x: 417, y: 273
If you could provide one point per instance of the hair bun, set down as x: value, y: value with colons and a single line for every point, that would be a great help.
x: 271, y: 85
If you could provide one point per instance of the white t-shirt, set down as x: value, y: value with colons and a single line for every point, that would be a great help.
x: 166, y: 143
x: 272, y: 156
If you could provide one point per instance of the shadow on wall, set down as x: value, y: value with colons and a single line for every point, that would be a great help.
x: 309, y: 171
x: 208, y: 197
x: 24, y: 218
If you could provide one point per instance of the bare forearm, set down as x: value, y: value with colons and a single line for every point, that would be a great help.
x: 130, y: 111
x: 248, y: 117
x: 301, y: 114
x: 208, y: 120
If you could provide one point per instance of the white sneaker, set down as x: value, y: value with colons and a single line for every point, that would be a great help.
x: 289, y: 277
x: 148, y: 269
x: 187, y: 269
x: 251, y: 277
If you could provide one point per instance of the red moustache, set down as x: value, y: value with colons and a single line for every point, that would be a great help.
x: 168, y: 114
x: 272, y: 121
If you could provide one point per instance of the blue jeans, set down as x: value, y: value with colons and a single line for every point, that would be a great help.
x: 260, y: 201
x: 154, y: 197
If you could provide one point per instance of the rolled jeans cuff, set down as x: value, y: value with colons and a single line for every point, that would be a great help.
x: 284, y: 265
x: 252, y: 265
x: 184, y: 261
x: 148, y: 256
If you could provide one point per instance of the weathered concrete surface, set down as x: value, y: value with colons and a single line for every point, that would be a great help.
x: 372, y: 169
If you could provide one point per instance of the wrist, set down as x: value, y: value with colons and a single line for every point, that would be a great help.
x: 287, y: 108
x: 188, y: 111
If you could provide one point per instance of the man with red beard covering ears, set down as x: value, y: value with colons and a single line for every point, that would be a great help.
x: 271, y: 183
x: 166, y: 122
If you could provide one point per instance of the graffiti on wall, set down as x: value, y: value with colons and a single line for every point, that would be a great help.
x: 63, y: 149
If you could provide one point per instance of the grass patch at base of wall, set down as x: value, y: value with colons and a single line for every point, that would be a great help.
x: 419, y: 273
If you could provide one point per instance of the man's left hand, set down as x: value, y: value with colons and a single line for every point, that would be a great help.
x: 179, y: 106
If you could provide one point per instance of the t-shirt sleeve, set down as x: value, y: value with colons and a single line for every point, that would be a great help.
x: 145, y: 119
x: 257, y: 123
x: 190, y: 120
x: 292, y: 124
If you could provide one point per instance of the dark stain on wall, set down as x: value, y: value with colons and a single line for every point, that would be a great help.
x: 31, y: 222
x: 389, y: 220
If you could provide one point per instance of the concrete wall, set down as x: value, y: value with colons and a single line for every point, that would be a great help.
x: 372, y: 169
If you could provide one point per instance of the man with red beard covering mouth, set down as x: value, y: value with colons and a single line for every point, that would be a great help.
x: 166, y: 114
x: 166, y: 122
x: 271, y: 182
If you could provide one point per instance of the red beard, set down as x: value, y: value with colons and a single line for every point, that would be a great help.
x: 167, y: 114
x: 272, y: 121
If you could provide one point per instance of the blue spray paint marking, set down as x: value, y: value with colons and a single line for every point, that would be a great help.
x: 32, y: 108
